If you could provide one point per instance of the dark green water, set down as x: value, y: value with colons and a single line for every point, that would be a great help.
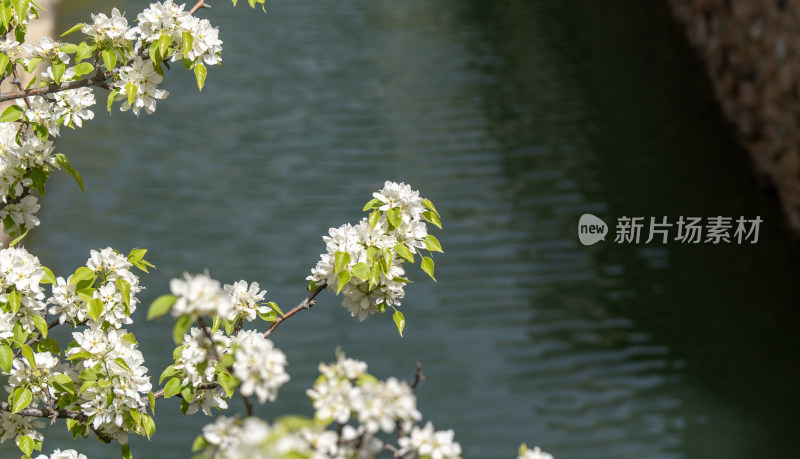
x: 515, y: 117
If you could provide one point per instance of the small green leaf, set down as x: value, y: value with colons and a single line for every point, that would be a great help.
x: 83, y: 68
x: 429, y: 205
x: 26, y: 445
x: 69, y: 48
x: 14, y: 301
x: 12, y: 113
x: 130, y: 91
x: 84, y: 51
x: 393, y: 216
x: 169, y: 372
x: 6, y: 357
x: 80, y: 355
x: 432, y: 218
x: 402, y: 250
x: 342, y: 259
x: 182, y: 326
x: 200, y: 74
x: 21, y: 399
x: 27, y: 352
x: 126, y: 451
x: 48, y: 345
x: 109, y: 58
x: 41, y: 325
x: 74, y: 28
x: 374, y: 217
x: 19, y: 239
x: 344, y: 278
x: 151, y: 397
x: 400, y: 321
x: 6, y: 13
x: 274, y: 307
x: 427, y: 266
x: 148, y: 424
x: 187, y: 40
x: 200, y: 442
x: 227, y: 381
x: 48, y: 277
x: 361, y: 270
x: 63, y: 383
x: 432, y: 244
x: 124, y: 288
x: 164, y: 42
x: 172, y: 388
x: 82, y: 274
x: 122, y: 363
x: 58, y: 71
x: 161, y: 306
x: 374, y: 203
x: 95, y: 308
x: 111, y: 97
x: 3, y: 62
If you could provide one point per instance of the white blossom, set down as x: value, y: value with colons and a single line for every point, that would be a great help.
x: 199, y: 295
x: 144, y: 80
x: 427, y: 442
x: 535, y: 453
x: 246, y: 300
x: 260, y: 367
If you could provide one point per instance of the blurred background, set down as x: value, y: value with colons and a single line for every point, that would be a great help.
x: 514, y: 117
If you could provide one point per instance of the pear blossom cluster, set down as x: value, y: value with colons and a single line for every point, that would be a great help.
x: 66, y: 454
x: 259, y: 365
x: 20, y: 275
x: 196, y: 372
x: 535, y: 453
x: 132, y: 71
x: 376, y: 249
x: 112, y: 356
x: 352, y: 401
x: 200, y: 295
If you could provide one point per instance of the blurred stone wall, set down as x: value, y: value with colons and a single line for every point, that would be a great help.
x: 751, y: 50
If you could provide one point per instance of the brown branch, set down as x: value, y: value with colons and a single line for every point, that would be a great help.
x: 418, y: 376
x: 50, y: 413
x: 198, y: 5
x: 305, y: 304
x: 247, y: 405
x: 395, y: 452
x: 97, y: 80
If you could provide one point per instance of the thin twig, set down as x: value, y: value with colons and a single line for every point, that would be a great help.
x: 247, y: 405
x: 305, y: 304
x: 50, y: 413
x: 418, y: 376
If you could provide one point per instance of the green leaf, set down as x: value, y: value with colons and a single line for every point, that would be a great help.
x: 84, y: 51
x: 130, y: 91
x: 122, y: 363
x: 172, y: 388
x: 136, y: 255
x: 109, y: 58
x: 200, y: 442
x: 432, y: 244
x: 361, y: 270
x: 182, y: 326
x: 169, y: 372
x: 58, y: 71
x: 155, y: 54
x: 82, y: 274
x: 126, y: 451
x: 400, y: 321
x: 187, y: 393
x: 187, y: 40
x: 41, y: 325
x: 12, y: 113
x: 6, y: 357
x: 148, y: 424
x: 161, y: 306
x: 21, y: 8
x: 63, y: 383
x: 268, y: 317
x: 124, y: 288
x: 227, y: 381
x: 26, y: 445
x: 83, y: 68
x: 80, y: 355
x: 129, y: 338
x: 3, y: 63
x: 200, y: 74
x: 393, y: 216
x: 427, y: 266
x: 95, y: 308
x: 21, y: 399
x: 344, y: 278
x: 342, y: 260
x: 48, y: 277
x: 20, y: 335
x: 374, y: 217
x: 69, y: 48
x: 111, y: 97
x: 164, y: 42
x: 27, y: 352
x: 74, y: 28
x: 6, y: 13
x: 19, y: 239
x: 151, y: 397
x: 429, y: 205
x: 374, y: 203
x: 14, y: 301
x: 432, y: 218
x: 402, y: 250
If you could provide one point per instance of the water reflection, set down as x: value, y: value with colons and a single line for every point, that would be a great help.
x: 514, y: 117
